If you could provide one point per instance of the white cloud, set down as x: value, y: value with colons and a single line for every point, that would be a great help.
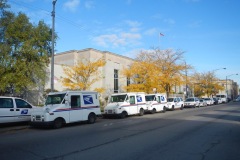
x: 89, y: 4
x: 157, y: 16
x: 169, y: 21
x: 150, y: 32
x: 195, y: 24
x: 71, y: 5
x: 133, y: 23
x: 114, y: 40
x: 131, y: 36
x: 192, y: 1
x: 129, y: 2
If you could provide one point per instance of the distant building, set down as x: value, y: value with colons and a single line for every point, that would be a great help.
x: 231, y: 88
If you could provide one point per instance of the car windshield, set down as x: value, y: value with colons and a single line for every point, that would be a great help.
x: 118, y: 98
x: 170, y: 99
x: 207, y: 98
x: 150, y: 97
x: 55, y: 99
x: 201, y: 100
x: 189, y: 99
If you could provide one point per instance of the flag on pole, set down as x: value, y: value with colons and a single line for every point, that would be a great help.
x: 161, y: 34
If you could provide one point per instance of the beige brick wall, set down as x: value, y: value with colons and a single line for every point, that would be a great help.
x: 113, y: 61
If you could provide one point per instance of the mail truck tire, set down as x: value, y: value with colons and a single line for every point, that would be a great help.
x: 58, y: 123
x: 141, y: 112
x: 164, y: 109
x: 173, y: 108
x: 181, y: 107
x: 91, y: 118
x: 153, y: 111
x: 123, y: 115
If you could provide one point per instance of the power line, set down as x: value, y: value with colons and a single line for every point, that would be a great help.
x: 82, y: 27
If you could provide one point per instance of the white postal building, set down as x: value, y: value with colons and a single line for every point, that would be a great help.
x: 113, y: 81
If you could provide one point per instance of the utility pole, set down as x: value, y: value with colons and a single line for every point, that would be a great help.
x: 52, y: 59
x: 186, y: 90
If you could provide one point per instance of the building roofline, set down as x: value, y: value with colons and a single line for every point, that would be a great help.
x: 92, y: 49
x: 65, y: 52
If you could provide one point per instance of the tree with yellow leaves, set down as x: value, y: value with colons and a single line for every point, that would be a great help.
x: 159, y: 69
x: 140, y: 76
x: 83, y: 75
x: 205, y: 84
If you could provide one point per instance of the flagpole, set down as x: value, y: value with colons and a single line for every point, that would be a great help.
x: 160, y: 34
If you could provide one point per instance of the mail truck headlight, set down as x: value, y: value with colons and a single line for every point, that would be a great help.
x: 47, y: 110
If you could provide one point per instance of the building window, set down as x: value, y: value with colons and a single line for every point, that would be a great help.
x: 115, y: 81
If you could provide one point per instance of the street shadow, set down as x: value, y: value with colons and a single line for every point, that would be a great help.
x: 229, y: 111
x: 13, y: 124
x: 224, y: 117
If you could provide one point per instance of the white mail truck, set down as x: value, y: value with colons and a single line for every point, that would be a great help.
x: 124, y: 104
x: 156, y: 103
x: 67, y: 107
x: 14, y: 109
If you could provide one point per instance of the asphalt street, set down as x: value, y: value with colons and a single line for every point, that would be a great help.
x: 206, y: 133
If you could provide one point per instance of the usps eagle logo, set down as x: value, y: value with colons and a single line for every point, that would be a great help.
x: 88, y: 99
x: 24, y: 111
x: 162, y: 98
x: 139, y: 99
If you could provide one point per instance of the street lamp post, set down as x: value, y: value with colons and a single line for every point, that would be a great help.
x: 52, y: 60
x: 227, y: 82
x: 218, y: 69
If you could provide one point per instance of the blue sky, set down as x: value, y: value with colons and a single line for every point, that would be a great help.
x: 207, y: 30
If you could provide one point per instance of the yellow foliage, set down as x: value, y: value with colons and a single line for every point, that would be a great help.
x: 82, y: 75
x: 156, y: 69
x: 100, y: 90
x: 205, y: 84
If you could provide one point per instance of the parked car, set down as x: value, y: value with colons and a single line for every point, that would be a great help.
x: 192, y: 102
x: 219, y: 100
x: 13, y: 109
x: 237, y: 99
x: 174, y: 103
x: 203, y: 103
x: 215, y: 100
x: 229, y: 99
x: 209, y: 101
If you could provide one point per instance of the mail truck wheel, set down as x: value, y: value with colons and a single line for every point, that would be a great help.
x: 181, y: 107
x: 153, y: 111
x: 164, y: 109
x: 123, y: 114
x: 58, y: 123
x: 91, y: 118
x: 141, y: 112
x: 173, y: 108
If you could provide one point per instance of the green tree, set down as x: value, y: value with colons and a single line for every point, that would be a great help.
x: 24, y: 51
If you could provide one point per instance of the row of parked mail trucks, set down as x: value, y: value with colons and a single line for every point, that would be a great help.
x: 73, y: 106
